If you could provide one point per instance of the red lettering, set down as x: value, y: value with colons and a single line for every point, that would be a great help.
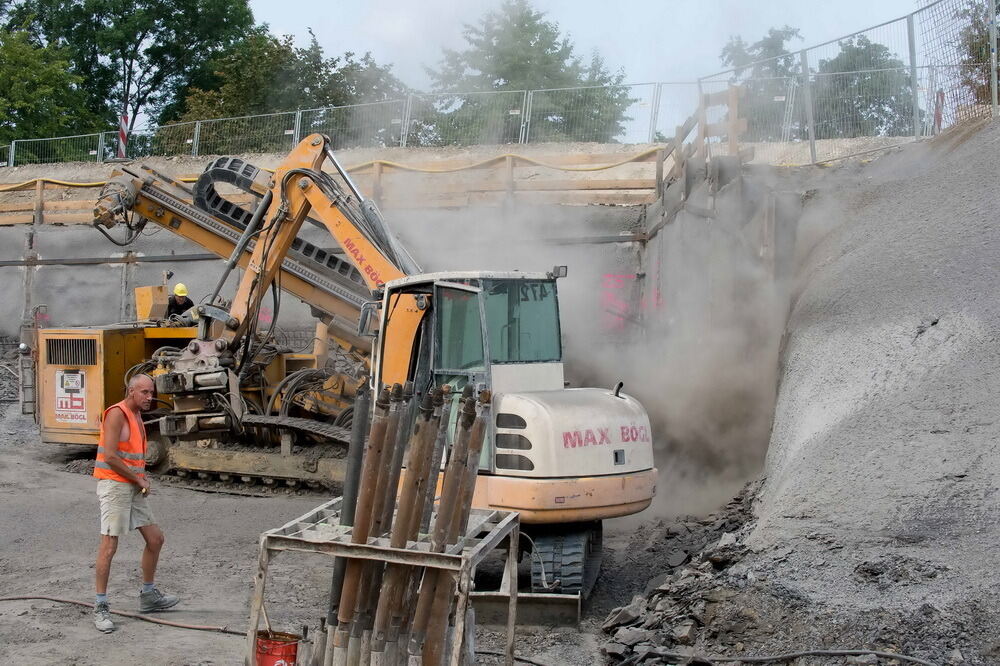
x: 605, y: 438
x: 589, y: 439
x: 572, y: 439
x: 635, y: 434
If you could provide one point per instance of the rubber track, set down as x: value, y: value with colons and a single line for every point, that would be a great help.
x: 310, y: 426
x: 564, y: 557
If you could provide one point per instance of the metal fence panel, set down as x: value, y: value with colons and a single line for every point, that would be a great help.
x: 909, y: 77
x: 776, y: 119
x: 81, y: 148
x: 608, y: 114
x: 272, y: 133
x: 374, y: 125
x: 674, y: 105
x: 465, y: 119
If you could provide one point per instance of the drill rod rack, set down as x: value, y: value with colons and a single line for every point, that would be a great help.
x: 320, y: 531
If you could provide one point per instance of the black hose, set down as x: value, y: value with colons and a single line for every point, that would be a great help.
x: 137, y: 616
x: 523, y: 660
x: 765, y: 659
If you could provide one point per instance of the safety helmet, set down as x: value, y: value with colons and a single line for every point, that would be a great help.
x: 180, y: 289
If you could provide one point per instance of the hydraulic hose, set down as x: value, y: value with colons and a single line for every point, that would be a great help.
x: 137, y: 616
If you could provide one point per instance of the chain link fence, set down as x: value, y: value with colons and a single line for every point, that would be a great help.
x: 888, y: 84
x: 882, y: 86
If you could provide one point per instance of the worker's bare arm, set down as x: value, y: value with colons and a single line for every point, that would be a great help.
x: 113, y: 425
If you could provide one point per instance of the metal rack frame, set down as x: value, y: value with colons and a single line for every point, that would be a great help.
x: 319, y: 531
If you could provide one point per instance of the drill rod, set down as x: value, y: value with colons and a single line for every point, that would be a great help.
x: 371, y: 571
x: 454, y: 474
x: 355, y: 452
x: 437, y: 629
x: 362, y: 527
x: 420, y: 447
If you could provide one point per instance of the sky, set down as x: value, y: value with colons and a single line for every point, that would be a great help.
x: 651, y: 40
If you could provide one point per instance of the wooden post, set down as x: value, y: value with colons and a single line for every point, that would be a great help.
x: 701, y: 149
x: 679, y: 153
x: 734, y: 120
x: 377, y: 184
x: 461, y: 609
x: 39, y: 200
x: 256, y: 604
x: 660, y: 155
x: 511, y: 581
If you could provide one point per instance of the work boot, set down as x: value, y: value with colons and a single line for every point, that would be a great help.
x: 154, y: 600
x: 102, y: 618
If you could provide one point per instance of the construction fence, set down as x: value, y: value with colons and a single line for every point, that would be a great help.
x: 881, y: 86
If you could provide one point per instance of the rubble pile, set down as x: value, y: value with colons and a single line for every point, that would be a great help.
x: 678, y: 610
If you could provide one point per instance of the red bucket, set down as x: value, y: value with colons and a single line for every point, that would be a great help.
x: 276, y: 648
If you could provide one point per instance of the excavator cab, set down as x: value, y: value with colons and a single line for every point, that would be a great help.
x: 564, y: 458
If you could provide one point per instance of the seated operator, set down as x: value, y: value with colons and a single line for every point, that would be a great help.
x: 179, y: 303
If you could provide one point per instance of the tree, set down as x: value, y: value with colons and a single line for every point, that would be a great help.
x: 974, y: 48
x: 266, y: 75
x: 134, y: 56
x: 864, y: 91
x: 39, y: 96
x: 515, y: 49
x: 769, y: 72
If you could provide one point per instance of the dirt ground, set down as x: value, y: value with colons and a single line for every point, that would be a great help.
x: 49, y: 521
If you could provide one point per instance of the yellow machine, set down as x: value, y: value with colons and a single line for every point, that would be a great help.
x: 237, y: 405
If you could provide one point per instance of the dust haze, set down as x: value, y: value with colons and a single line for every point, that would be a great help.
x: 692, y: 324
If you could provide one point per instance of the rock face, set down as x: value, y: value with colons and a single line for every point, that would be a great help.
x: 877, y: 524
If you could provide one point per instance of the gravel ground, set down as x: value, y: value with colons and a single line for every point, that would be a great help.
x: 49, y: 520
x: 876, y: 524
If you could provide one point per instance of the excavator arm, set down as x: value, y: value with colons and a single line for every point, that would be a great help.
x: 334, y: 285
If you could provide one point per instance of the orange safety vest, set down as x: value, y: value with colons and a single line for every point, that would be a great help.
x: 132, y: 452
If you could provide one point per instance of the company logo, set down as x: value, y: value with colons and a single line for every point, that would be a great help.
x: 360, y: 262
x: 575, y: 439
x: 635, y: 434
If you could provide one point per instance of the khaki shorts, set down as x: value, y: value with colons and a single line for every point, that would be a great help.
x: 123, y: 507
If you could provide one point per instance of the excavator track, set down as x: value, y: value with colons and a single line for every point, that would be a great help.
x: 317, y: 465
x: 567, y: 560
x: 329, y: 431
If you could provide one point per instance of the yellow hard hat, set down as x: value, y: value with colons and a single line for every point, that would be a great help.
x: 180, y: 289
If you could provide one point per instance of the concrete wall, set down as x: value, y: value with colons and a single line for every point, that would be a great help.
x: 474, y: 238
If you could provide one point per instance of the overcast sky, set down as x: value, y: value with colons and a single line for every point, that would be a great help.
x: 651, y: 40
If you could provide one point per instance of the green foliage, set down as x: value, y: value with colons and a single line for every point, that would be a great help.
x: 516, y: 49
x: 864, y: 91
x: 974, y: 48
x: 39, y: 96
x: 135, y: 56
x: 263, y: 74
x: 765, y: 68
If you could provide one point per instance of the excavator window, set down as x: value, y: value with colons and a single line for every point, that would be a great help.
x: 522, y: 321
x: 460, y: 332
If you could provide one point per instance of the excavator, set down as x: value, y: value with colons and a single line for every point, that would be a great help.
x: 238, y: 406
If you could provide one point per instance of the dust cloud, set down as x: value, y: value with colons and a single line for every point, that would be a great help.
x: 691, y: 323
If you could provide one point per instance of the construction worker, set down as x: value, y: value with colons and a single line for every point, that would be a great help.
x: 179, y: 303
x: 122, y: 490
